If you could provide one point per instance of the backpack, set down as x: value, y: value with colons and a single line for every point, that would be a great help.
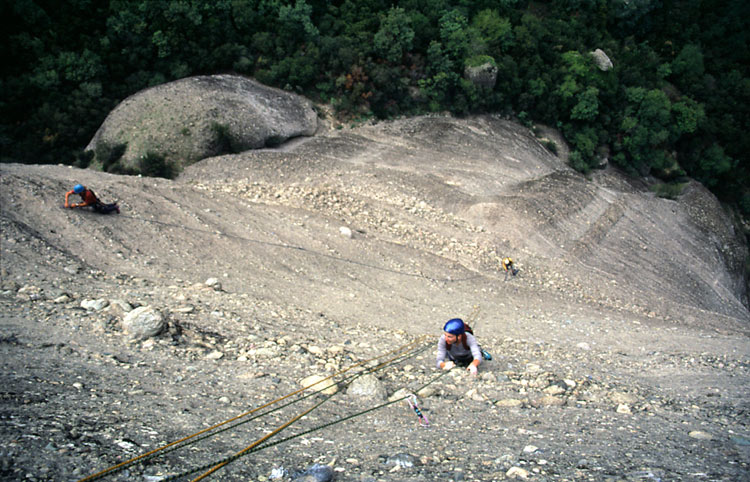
x: 462, y: 337
x: 467, y: 329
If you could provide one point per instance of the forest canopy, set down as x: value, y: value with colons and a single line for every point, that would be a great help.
x: 674, y: 102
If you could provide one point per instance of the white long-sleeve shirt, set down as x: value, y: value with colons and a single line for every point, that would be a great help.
x: 457, y: 352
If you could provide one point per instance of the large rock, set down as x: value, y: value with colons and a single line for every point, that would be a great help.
x: 320, y: 383
x: 144, y: 322
x: 197, y: 117
x: 483, y: 76
x: 367, y: 387
x: 602, y: 60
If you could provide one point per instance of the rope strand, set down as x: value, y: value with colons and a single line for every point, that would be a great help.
x: 297, y: 417
x: 225, y: 461
x: 178, y: 444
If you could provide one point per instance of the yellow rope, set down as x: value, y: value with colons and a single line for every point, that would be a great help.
x: 292, y: 420
x: 147, y: 454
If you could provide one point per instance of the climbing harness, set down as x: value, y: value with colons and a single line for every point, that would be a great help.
x: 411, y: 399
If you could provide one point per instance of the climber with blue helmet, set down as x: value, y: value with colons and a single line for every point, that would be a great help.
x: 458, y: 346
x: 89, y: 199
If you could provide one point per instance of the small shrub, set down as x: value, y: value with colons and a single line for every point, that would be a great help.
x: 525, y: 119
x: 670, y: 190
x: 745, y: 204
x: 578, y: 163
x: 243, y: 65
x: 478, y: 60
x: 109, y: 154
x: 83, y: 159
x: 118, y: 168
x: 550, y: 145
x: 225, y: 143
x: 155, y: 165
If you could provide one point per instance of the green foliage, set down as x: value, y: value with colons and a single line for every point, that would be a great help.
x: 578, y: 162
x: 108, y: 155
x: 587, y: 108
x: 153, y: 164
x: 525, y: 119
x: 745, y: 209
x: 714, y: 164
x: 677, y: 100
x: 83, y: 159
x: 584, y: 142
x: 395, y: 35
x: 454, y: 36
x: 550, y: 145
x: 577, y: 96
x: 67, y: 67
x: 291, y: 72
x: 633, y: 15
x: 437, y: 59
x: 688, y: 67
x: 671, y: 190
x: 296, y: 25
x: 438, y: 89
x: 478, y: 60
x: 224, y: 141
x: 495, y: 32
x: 645, y: 129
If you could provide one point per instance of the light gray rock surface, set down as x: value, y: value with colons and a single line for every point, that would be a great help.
x: 197, y: 117
x: 144, y: 322
x: 602, y: 60
x: 484, y: 76
x: 367, y: 387
x: 620, y: 351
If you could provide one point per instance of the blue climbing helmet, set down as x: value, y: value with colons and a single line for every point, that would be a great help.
x: 455, y: 326
x: 78, y: 188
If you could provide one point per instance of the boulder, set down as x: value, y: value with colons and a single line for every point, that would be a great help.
x: 94, y: 305
x: 367, y: 387
x: 601, y: 60
x: 144, y: 322
x: 320, y: 383
x: 483, y: 76
x: 197, y: 117
x: 119, y: 307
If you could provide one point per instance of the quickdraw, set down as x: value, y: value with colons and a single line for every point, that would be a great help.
x: 412, y: 401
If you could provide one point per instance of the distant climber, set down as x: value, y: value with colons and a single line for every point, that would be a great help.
x: 458, y: 346
x: 509, y: 268
x: 90, y: 199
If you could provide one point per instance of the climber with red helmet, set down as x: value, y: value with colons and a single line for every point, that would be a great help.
x: 90, y: 199
x: 457, y: 346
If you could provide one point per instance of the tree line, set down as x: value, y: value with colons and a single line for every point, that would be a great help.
x: 675, y: 104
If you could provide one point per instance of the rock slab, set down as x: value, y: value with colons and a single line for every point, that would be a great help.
x: 198, y: 117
